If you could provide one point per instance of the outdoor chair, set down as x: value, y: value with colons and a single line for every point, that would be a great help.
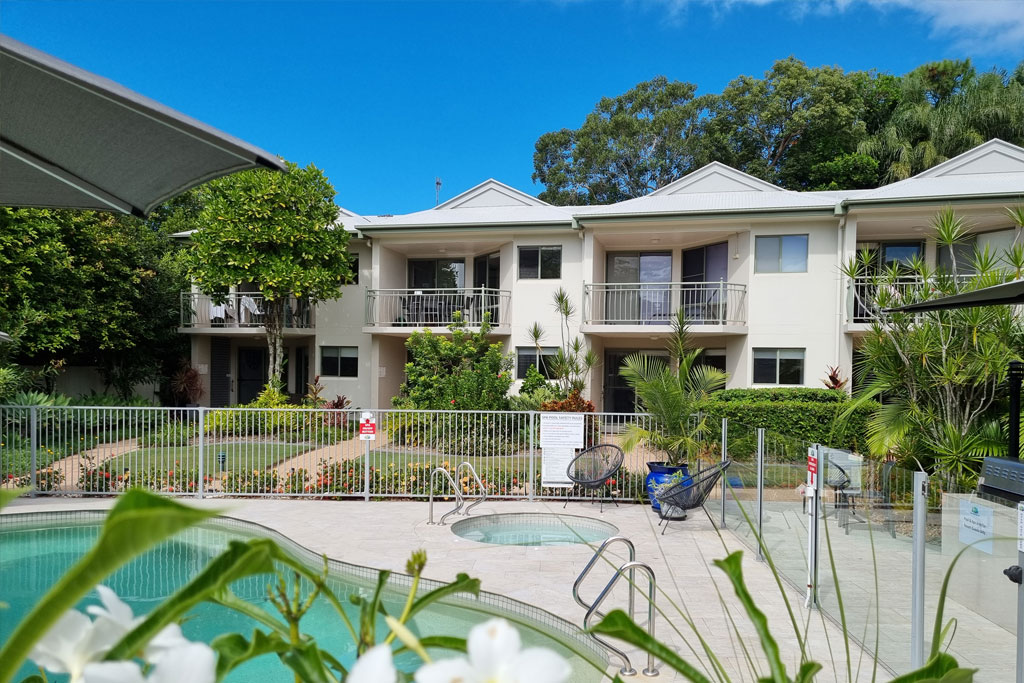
x: 678, y: 499
x: 593, y: 467
x: 838, y: 480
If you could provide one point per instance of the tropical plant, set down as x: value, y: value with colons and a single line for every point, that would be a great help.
x: 187, y: 384
x: 834, y: 378
x: 670, y: 393
x: 942, y: 373
x: 573, y: 360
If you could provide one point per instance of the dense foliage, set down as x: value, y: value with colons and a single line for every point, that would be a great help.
x: 89, y: 288
x: 275, y: 231
x: 466, y: 371
x: 942, y: 374
x: 800, y: 127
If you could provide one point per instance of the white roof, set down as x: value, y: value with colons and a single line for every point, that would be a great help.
x: 352, y: 222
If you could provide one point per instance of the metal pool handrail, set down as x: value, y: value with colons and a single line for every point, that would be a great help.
x: 483, y: 490
x: 593, y: 561
x: 458, y: 497
x: 627, y: 669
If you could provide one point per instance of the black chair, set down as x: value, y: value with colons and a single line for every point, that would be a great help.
x: 593, y: 467
x: 838, y: 480
x: 678, y: 499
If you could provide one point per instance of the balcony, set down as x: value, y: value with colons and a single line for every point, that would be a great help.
x: 240, y: 313
x: 716, y: 307
x: 400, y: 311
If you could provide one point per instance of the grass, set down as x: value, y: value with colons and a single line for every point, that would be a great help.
x: 239, y: 456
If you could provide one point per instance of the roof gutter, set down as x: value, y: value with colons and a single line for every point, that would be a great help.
x: 730, y: 213
x: 846, y: 204
x: 446, y: 227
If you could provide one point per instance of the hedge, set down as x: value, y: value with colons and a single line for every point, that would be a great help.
x: 811, y: 420
x: 802, y: 394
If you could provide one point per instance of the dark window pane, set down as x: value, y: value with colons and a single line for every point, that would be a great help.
x: 623, y: 267
x: 422, y: 273
x: 791, y: 371
x: 794, y: 254
x: 693, y: 265
x: 328, y: 362
x: 546, y: 367
x: 529, y: 262
x: 900, y: 254
x: 766, y: 254
x: 348, y: 366
x: 713, y: 360
x: 551, y: 263
x: 964, y: 252
x: 525, y: 357
x: 764, y: 370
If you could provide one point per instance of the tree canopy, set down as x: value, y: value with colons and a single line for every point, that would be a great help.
x: 273, y: 230
x: 800, y: 127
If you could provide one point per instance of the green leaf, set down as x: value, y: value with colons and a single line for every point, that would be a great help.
x: 941, y: 667
x: 618, y: 625
x: 461, y: 584
x: 732, y: 566
x: 305, y: 660
x: 138, y: 521
x: 439, y: 642
x: 7, y: 495
x: 241, y: 559
x: 234, y: 650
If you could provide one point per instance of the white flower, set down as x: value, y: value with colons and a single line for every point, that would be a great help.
x: 495, y: 656
x: 375, y: 666
x: 76, y: 646
x: 74, y: 641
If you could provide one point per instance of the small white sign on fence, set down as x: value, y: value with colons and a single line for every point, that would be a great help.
x: 367, y: 427
x: 554, y: 466
x: 976, y: 524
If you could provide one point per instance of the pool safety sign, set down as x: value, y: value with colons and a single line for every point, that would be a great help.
x: 367, y: 427
x: 812, y: 468
x: 560, y: 435
x: 976, y: 525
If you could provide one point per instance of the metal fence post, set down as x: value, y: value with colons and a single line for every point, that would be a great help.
x: 725, y: 456
x: 760, y: 492
x: 917, y: 570
x: 533, y: 460
x: 366, y: 468
x: 813, y: 500
x: 201, y: 420
x: 33, y: 425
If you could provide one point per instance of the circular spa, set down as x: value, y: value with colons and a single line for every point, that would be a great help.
x: 533, y: 529
x: 39, y: 547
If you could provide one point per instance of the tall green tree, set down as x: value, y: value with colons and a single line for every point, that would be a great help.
x: 90, y: 288
x: 276, y: 231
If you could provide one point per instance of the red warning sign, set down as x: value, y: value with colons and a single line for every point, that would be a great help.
x: 367, y: 427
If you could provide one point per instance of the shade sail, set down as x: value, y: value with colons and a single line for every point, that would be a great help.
x: 1006, y: 293
x: 72, y: 139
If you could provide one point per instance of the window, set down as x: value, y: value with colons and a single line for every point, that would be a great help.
x: 964, y: 252
x: 901, y: 255
x: 527, y: 356
x: 439, y: 273
x: 780, y: 254
x: 778, y: 366
x: 714, y: 358
x: 544, y: 263
x: 339, y: 361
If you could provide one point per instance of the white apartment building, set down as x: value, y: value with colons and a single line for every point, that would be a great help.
x: 756, y: 268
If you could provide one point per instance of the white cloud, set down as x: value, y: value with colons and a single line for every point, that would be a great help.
x: 976, y: 26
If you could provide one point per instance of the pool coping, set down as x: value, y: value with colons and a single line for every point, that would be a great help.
x: 541, y: 620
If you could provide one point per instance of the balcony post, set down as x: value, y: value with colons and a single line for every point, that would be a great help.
x: 721, y: 301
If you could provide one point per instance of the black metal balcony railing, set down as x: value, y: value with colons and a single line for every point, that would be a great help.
x: 240, y: 309
x: 704, y: 303
x: 435, y: 307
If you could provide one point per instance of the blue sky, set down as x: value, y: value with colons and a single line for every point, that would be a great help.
x: 385, y: 96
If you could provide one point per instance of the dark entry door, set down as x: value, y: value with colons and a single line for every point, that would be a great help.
x: 486, y: 277
x: 619, y: 397
x: 252, y: 373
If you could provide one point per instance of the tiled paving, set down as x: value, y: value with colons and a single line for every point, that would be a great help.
x: 382, y: 534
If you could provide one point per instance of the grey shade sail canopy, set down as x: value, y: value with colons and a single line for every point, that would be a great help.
x: 73, y: 140
x: 1007, y: 293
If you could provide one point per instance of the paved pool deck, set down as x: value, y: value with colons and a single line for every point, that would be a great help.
x: 691, y: 588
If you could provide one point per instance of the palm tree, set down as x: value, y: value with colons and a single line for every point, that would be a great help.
x: 671, y: 393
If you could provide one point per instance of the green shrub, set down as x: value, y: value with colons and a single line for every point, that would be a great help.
x: 113, y: 400
x: 802, y: 394
x: 171, y: 434
x: 12, y: 380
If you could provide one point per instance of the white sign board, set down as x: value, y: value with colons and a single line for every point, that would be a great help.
x: 561, y: 430
x: 1020, y: 527
x: 976, y: 524
x: 554, y: 465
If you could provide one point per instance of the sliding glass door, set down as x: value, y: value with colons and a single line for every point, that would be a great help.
x: 703, y: 269
x: 643, y: 294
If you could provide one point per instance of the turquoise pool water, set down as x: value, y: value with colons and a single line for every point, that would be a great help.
x: 33, y: 554
x: 533, y: 529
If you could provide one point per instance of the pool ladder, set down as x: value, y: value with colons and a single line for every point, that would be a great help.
x: 629, y: 567
x: 459, y: 498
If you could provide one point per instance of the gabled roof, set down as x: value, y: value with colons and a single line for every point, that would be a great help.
x: 994, y: 156
x: 490, y: 193
x: 716, y: 177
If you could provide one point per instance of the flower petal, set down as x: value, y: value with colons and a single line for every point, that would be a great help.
x: 112, y: 672
x: 113, y: 608
x: 169, y: 638
x: 374, y: 666
x: 538, y: 665
x: 194, y: 663
x: 457, y: 670
x: 57, y: 651
x: 490, y: 645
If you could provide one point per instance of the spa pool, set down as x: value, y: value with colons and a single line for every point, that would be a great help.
x: 533, y: 529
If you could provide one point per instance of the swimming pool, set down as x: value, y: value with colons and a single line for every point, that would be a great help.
x: 533, y: 529
x: 36, y: 548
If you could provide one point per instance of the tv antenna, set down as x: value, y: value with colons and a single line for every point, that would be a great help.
x: 437, y: 191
